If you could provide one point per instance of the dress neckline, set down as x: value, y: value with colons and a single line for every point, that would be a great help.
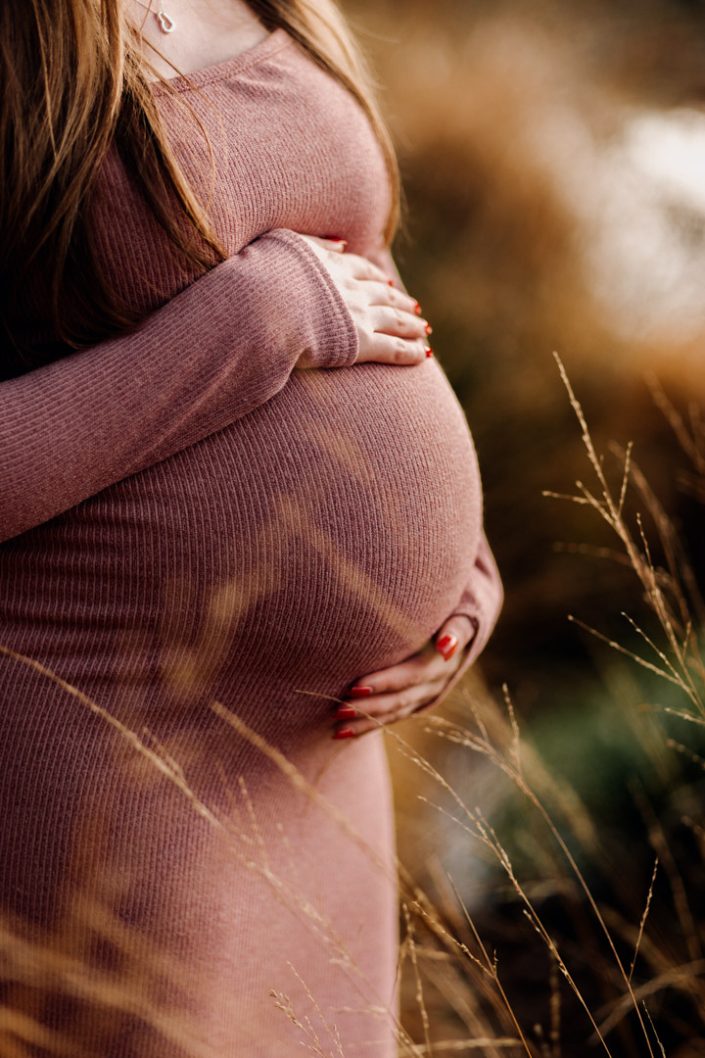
x: 226, y: 68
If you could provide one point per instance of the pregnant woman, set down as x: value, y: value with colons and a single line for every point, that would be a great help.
x: 241, y: 533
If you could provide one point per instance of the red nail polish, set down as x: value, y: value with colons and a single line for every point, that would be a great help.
x: 360, y: 692
x: 429, y: 351
x: 346, y: 712
x: 345, y: 732
x: 429, y: 329
x: 447, y: 645
x: 417, y: 308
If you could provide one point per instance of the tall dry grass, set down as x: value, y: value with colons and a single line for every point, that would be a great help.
x: 572, y: 950
x: 552, y: 159
x: 582, y: 946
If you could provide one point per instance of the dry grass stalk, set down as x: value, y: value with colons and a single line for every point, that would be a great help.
x: 444, y: 943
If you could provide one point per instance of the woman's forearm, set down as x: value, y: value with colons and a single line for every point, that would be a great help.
x: 222, y: 347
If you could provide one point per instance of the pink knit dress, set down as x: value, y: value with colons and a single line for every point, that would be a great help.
x: 186, y: 519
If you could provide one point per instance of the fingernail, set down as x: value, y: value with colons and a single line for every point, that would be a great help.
x: 417, y: 308
x: 346, y: 712
x: 360, y: 692
x: 429, y: 351
x: 447, y: 645
x: 429, y: 329
x: 345, y: 732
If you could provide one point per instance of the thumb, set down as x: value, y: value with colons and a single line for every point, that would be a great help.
x: 453, y: 635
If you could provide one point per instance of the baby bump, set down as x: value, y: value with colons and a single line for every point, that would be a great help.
x: 324, y: 535
x: 371, y: 513
x: 342, y: 520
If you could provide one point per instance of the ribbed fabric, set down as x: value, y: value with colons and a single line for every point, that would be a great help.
x: 186, y: 518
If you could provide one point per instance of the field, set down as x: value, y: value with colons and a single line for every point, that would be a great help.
x: 551, y: 835
x: 553, y: 167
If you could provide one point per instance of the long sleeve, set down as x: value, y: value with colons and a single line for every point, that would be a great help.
x: 219, y: 349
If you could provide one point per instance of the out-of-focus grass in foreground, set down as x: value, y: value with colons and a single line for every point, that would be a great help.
x: 569, y: 859
x: 544, y: 911
x: 551, y: 835
x: 553, y: 157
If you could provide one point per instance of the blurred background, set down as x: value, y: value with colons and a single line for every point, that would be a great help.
x: 553, y: 158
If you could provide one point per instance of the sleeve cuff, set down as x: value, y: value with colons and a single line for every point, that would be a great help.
x: 338, y: 344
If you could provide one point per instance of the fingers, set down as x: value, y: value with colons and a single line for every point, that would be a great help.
x: 389, y: 320
x: 362, y: 268
x: 389, y: 324
x: 384, y: 294
x: 388, y: 349
x: 454, y: 635
x: 358, y: 719
x: 394, y: 332
x: 427, y: 664
x: 389, y: 695
x: 359, y: 267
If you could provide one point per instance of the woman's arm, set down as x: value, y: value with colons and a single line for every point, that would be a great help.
x: 222, y: 347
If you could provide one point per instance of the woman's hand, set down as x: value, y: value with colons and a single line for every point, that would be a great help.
x: 389, y: 324
x: 395, y: 693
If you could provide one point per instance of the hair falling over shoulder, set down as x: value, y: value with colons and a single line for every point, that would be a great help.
x: 72, y: 84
